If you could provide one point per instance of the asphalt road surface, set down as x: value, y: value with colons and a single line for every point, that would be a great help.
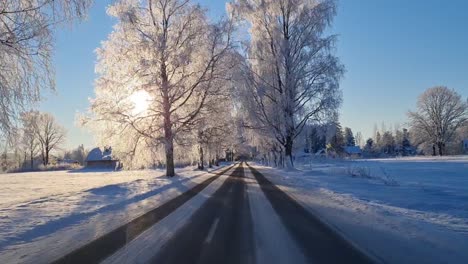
x: 246, y: 220
x: 219, y: 232
x: 222, y: 230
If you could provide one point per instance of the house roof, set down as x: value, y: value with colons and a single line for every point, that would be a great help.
x: 98, y: 154
x: 352, y: 150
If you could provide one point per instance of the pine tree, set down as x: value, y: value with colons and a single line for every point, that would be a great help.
x: 406, y: 144
x: 349, y: 137
x: 337, y: 142
x: 316, y: 142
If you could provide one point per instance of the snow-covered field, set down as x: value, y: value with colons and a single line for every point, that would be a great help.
x: 45, y: 214
x: 411, y: 210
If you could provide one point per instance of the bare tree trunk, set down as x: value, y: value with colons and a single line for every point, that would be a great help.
x: 47, y: 156
x: 440, y: 145
x: 168, y: 134
x: 288, y: 152
x: 31, y: 157
x: 170, y: 167
x: 201, y: 161
x: 217, y: 159
x: 169, y: 145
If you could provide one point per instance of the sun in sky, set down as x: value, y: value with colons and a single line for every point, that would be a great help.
x: 141, y: 102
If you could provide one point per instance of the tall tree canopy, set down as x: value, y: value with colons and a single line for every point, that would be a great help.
x: 26, y: 44
x: 440, y: 112
x: 292, y: 74
x: 164, y: 54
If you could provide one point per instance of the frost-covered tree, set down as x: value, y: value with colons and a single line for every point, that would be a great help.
x: 292, y: 73
x: 440, y: 112
x: 30, y: 140
x: 216, y: 123
x: 49, y: 134
x: 213, y: 136
x: 358, y: 139
x: 158, y: 68
x: 388, y: 143
x: 378, y: 140
x: 26, y: 44
x: 78, y: 154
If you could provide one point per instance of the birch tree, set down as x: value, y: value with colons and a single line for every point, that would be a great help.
x: 167, y: 52
x: 440, y: 112
x: 292, y: 73
x: 26, y: 44
x: 30, y: 141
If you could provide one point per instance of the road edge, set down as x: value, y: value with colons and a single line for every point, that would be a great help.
x: 336, y: 230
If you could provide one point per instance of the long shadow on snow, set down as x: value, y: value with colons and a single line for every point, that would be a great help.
x: 58, y: 224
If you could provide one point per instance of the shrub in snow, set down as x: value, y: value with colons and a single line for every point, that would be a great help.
x: 359, y: 172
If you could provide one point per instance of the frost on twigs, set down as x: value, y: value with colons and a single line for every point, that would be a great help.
x: 159, y: 70
x: 291, y: 74
x: 26, y: 45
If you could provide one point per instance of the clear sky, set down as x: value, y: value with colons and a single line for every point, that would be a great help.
x: 392, y: 50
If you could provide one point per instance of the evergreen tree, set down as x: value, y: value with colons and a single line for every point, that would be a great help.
x: 369, y: 145
x: 388, y: 143
x: 316, y: 142
x: 337, y: 141
x: 406, y: 144
x: 349, y: 137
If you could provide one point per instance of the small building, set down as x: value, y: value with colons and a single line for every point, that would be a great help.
x: 353, y: 151
x: 102, y: 158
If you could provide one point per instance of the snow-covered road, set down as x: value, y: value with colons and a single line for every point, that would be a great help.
x: 246, y: 220
x: 394, y: 210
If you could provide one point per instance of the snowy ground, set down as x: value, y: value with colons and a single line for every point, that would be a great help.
x: 45, y: 214
x: 412, y: 210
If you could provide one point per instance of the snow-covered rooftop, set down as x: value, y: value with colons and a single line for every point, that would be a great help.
x: 352, y: 150
x: 98, y: 154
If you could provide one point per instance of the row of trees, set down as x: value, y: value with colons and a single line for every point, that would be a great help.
x: 168, y: 53
x: 38, y: 135
x: 26, y: 45
x: 390, y: 143
x: 202, y: 91
x: 291, y: 76
x: 437, y: 127
x: 170, y: 79
x: 26, y: 49
x: 441, y: 115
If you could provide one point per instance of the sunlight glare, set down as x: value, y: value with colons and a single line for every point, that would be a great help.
x: 141, y: 101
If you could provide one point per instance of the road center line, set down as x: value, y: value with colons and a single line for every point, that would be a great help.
x: 212, y: 231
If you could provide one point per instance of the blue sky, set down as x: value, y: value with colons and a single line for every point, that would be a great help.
x: 392, y: 50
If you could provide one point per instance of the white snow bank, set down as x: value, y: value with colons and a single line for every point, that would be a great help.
x: 411, y: 210
x: 44, y: 215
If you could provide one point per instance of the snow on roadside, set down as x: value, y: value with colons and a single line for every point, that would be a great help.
x: 400, y: 210
x: 54, y: 212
